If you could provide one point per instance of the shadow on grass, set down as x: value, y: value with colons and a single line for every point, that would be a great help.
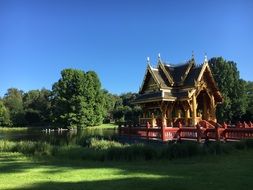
x: 129, y: 183
x: 221, y: 172
x: 138, y: 183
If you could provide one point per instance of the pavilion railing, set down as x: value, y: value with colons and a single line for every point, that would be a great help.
x: 144, y: 121
x: 203, y: 131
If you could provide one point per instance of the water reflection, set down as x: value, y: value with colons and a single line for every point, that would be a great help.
x: 60, y: 137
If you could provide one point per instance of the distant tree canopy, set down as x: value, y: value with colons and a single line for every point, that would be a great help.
x: 31, y: 108
x: 232, y: 88
x: 110, y: 101
x: 37, y: 107
x: 248, y: 116
x: 4, y: 115
x: 77, y: 99
x: 13, y: 101
x: 124, y: 110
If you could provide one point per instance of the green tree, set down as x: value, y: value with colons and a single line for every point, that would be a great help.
x: 109, y: 101
x: 4, y: 116
x: 37, y: 106
x: 232, y: 88
x: 14, y: 103
x: 95, y: 97
x: 125, y: 110
x: 248, y: 116
x: 77, y: 99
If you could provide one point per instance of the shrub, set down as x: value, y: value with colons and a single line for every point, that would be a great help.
x: 68, y: 152
x: 26, y: 147
x: 101, y: 150
x: 6, y: 145
x: 102, y: 144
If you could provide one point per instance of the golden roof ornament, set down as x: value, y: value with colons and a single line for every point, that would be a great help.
x: 206, y: 61
x: 159, y: 58
x: 192, y: 55
x: 148, y: 60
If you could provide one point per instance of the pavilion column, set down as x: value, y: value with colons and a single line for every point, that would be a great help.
x: 204, y: 107
x: 213, y: 109
x: 178, y: 114
x: 142, y: 120
x: 153, y: 120
x: 187, y: 116
x: 164, y: 119
x: 194, y: 110
x: 163, y: 108
x: 169, y: 115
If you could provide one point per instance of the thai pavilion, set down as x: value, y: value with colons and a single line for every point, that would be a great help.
x: 185, y: 93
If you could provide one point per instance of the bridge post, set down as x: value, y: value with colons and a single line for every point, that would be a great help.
x: 163, y: 133
x: 147, y: 132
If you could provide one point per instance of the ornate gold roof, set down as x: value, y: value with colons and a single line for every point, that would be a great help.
x: 175, y: 82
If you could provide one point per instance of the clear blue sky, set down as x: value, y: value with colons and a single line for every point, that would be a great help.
x: 113, y: 37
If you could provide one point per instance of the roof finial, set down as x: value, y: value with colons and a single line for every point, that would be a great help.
x: 206, y: 58
x: 159, y: 57
x: 148, y: 60
x: 192, y: 54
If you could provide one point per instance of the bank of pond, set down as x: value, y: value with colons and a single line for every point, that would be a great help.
x: 101, y: 150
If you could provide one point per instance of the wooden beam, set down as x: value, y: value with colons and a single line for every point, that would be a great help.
x: 194, y: 110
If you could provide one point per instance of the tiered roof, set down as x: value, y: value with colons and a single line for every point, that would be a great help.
x: 175, y: 82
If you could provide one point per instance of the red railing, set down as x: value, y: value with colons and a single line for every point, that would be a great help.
x: 203, y: 131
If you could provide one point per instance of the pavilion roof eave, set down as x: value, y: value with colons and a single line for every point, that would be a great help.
x: 154, y: 100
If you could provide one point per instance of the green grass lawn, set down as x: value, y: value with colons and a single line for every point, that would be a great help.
x: 234, y: 171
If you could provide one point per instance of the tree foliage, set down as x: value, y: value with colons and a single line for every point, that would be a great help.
x: 124, y: 110
x: 232, y: 88
x: 14, y: 103
x: 109, y: 104
x: 4, y: 115
x: 37, y: 107
x: 248, y: 116
x: 77, y: 99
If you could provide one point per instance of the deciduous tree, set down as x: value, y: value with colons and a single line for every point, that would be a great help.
x: 77, y: 99
x: 4, y: 116
x: 37, y: 106
x: 232, y: 88
x: 14, y: 103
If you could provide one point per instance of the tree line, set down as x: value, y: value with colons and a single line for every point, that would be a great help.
x: 78, y: 100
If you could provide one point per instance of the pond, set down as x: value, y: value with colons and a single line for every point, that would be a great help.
x: 59, y: 137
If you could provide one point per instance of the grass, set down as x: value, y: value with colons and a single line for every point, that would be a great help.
x: 106, y: 126
x: 103, y: 126
x: 232, y: 171
x: 13, y: 129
